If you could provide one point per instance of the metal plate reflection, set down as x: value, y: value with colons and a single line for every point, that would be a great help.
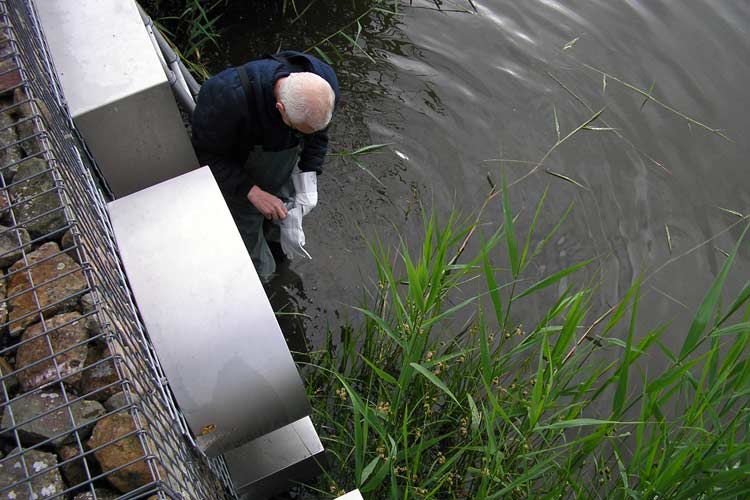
x: 206, y: 312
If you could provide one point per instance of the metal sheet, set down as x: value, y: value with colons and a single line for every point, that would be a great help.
x: 117, y: 91
x: 272, y: 463
x: 100, y: 49
x: 352, y: 495
x: 206, y: 312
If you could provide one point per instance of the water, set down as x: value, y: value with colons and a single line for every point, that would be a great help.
x: 451, y: 90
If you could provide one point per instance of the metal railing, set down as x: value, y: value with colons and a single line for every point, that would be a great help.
x: 87, y: 412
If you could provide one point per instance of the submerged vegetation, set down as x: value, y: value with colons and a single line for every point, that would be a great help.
x: 413, y: 404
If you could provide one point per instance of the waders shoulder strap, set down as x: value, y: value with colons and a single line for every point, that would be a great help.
x: 245, y: 80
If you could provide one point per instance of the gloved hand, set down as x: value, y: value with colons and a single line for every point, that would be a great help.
x: 292, y: 237
x: 306, y: 190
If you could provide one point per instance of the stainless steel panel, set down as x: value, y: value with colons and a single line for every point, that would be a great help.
x: 117, y: 91
x: 273, y: 462
x: 352, y: 495
x: 206, y: 312
x: 139, y: 141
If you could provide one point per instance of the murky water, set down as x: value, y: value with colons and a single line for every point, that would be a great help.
x: 452, y: 90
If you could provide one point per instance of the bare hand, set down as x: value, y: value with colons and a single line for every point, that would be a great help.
x: 269, y: 205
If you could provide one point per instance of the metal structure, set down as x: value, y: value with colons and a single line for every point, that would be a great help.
x: 206, y: 312
x: 117, y: 91
x: 86, y: 411
x: 215, y: 332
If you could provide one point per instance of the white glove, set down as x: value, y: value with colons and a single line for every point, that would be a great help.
x: 292, y: 236
x: 306, y: 190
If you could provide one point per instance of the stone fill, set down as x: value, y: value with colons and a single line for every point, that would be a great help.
x: 32, y: 179
x: 45, y: 485
x: 100, y: 495
x: 66, y: 338
x: 51, y: 295
x: 56, y: 424
x: 73, y: 472
x: 10, y: 247
x: 95, y: 379
x: 10, y: 152
x: 3, y: 305
x: 11, y: 382
x: 121, y: 452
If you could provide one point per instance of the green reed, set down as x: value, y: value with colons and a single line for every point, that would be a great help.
x: 414, y: 403
x: 192, y: 28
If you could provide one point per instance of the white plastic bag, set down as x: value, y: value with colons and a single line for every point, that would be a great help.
x: 292, y: 237
x: 305, y: 199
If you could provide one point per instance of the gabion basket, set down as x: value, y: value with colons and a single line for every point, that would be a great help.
x: 86, y: 410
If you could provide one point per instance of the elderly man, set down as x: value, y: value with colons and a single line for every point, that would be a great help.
x: 252, y: 125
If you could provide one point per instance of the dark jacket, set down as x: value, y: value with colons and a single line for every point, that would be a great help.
x: 227, y: 124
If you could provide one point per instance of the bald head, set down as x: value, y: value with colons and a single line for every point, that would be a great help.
x: 305, y: 101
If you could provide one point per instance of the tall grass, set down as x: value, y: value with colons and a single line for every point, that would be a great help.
x: 414, y: 404
x: 192, y: 28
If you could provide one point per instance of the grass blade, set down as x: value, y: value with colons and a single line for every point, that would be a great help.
x: 618, y: 403
x: 710, y: 301
x: 434, y: 380
x: 510, y: 236
x: 566, y: 178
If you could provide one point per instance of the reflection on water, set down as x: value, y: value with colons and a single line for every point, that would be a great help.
x: 451, y: 90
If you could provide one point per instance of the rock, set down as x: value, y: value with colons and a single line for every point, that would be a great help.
x: 11, y: 382
x: 10, y: 75
x: 65, y: 331
x: 100, y: 495
x: 3, y: 305
x: 121, y: 452
x: 69, y: 245
x: 46, y: 485
x: 10, y: 152
x: 10, y: 248
x: 67, y: 240
x: 74, y: 471
x: 31, y: 180
x: 57, y: 295
x: 119, y: 400
x: 55, y: 424
x: 4, y: 200
x: 87, y: 304
x: 26, y: 115
x: 96, y: 378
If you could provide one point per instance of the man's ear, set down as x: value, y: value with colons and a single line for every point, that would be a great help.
x: 280, y: 106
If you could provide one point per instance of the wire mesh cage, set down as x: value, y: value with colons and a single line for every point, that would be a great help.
x: 86, y: 411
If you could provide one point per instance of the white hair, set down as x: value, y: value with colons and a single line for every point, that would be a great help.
x: 308, y: 99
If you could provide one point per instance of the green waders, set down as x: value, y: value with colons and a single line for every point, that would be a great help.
x: 272, y: 172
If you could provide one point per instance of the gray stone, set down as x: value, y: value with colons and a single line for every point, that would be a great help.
x: 10, y: 152
x: 100, y: 495
x: 66, y: 332
x: 10, y: 75
x: 55, y: 424
x: 64, y: 280
x: 10, y: 248
x: 87, y: 303
x: 3, y: 305
x: 119, y: 400
x: 68, y: 244
x: 48, y: 484
x: 11, y: 382
x: 72, y: 464
x: 29, y: 121
x: 96, y: 379
x: 4, y: 204
x: 32, y: 179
